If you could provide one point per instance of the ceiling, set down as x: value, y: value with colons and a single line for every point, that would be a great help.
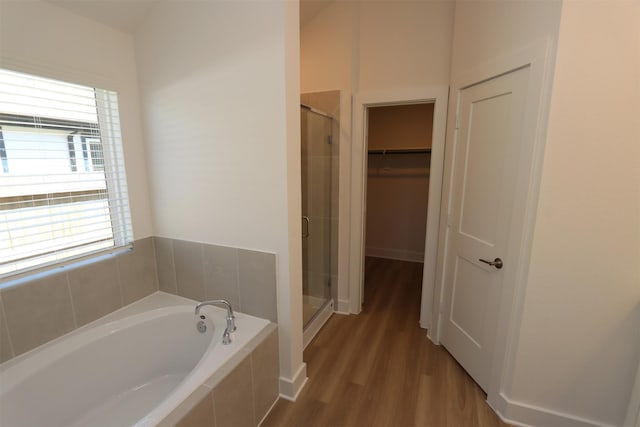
x: 124, y: 15
x: 127, y: 15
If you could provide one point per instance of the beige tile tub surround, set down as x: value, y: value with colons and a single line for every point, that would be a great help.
x: 6, y: 352
x: 95, y: 290
x: 265, y: 365
x: 233, y: 398
x: 247, y: 279
x: 201, y: 415
x: 221, y: 274
x: 189, y: 268
x: 37, y: 311
x: 137, y: 270
x: 165, y: 265
x: 238, y: 395
x: 257, y: 279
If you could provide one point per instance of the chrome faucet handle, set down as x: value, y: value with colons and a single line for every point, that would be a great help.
x: 231, y: 322
x: 226, y: 337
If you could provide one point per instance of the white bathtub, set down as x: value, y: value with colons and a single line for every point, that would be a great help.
x: 132, y: 367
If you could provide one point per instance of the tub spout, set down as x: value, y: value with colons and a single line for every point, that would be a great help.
x: 231, y: 319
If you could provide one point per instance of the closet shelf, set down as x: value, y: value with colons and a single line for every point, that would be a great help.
x: 401, y: 151
x: 398, y: 172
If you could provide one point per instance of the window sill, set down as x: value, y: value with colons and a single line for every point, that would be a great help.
x: 19, y: 278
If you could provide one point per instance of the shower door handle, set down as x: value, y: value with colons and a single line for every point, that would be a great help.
x: 305, y: 228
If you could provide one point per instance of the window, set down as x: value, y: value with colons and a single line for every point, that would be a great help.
x: 62, y: 178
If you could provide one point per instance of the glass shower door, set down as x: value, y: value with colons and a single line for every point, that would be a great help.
x: 316, y: 212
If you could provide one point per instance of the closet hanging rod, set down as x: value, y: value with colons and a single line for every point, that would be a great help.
x: 401, y: 151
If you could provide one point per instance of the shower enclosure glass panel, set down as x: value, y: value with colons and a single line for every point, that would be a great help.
x: 316, y: 212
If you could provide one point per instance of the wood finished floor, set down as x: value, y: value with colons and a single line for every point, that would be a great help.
x: 379, y: 369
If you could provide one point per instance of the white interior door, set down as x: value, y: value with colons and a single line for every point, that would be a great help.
x: 487, y: 145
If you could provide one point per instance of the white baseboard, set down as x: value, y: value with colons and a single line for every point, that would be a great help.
x: 343, y: 307
x: 399, y: 254
x: 526, y: 415
x: 431, y: 337
x: 316, y: 324
x: 290, y: 388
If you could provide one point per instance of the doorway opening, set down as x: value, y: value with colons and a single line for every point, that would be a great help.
x: 399, y: 141
x: 365, y: 104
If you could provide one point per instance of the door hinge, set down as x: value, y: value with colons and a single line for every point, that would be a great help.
x: 457, y: 120
x: 330, y: 140
x: 449, y: 220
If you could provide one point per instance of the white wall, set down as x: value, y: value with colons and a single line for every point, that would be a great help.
x: 220, y: 89
x: 579, y: 342
x: 39, y: 38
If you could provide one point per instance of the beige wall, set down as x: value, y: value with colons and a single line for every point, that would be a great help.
x: 398, y: 184
x: 579, y: 343
x: 355, y: 46
x: 485, y: 30
x: 37, y: 37
x: 376, y: 45
x: 400, y: 126
x: 220, y: 90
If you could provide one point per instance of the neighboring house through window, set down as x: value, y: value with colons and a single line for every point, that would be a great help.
x: 62, y: 178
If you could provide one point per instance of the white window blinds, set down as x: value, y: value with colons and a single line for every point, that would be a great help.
x: 63, y: 191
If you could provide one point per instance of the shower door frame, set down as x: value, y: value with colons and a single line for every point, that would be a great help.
x: 320, y: 315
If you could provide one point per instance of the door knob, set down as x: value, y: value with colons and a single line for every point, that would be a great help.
x: 497, y: 263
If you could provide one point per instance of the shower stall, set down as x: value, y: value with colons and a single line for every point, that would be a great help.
x: 317, y: 146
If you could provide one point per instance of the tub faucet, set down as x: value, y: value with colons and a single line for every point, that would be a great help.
x: 231, y: 319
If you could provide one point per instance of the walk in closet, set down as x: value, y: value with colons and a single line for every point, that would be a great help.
x: 399, y: 154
